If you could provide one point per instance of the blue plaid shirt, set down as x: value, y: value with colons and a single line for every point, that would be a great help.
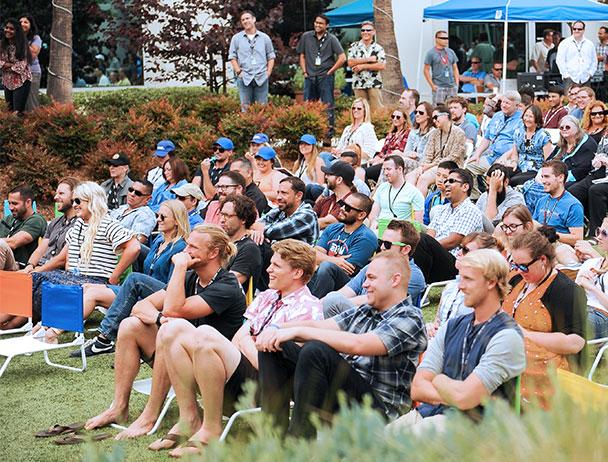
x: 301, y: 225
x: 500, y: 132
x: 401, y: 329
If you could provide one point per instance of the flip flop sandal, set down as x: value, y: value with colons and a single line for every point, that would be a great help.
x: 77, y: 439
x: 56, y: 430
x: 175, y: 439
x: 198, y: 447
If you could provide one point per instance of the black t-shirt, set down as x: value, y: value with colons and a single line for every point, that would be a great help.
x: 225, y: 297
x: 214, y: 172
x: 256, y: 195
x: 248, y: 260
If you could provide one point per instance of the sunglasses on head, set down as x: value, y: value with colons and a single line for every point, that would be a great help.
x: 601, y: 233
x: 78, y: 201
x: 524, y: 268
x: 386, y: 245
x: 396, y: 116
x: 347, y: 208
x: 137, y: 193
x: 565, y: 127
x: 217, y: 148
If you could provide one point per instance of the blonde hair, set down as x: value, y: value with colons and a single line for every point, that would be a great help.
x: 180, y: 215
x: 97, y: 204
x: 366, y: 110
x: 396, y: 263
x: 298, y: 255
x: 219, y: 241
x: 493, y: 266
x: 310, y: 164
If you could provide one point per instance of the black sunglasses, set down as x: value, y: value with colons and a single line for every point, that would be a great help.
x: 137, y: 193
x: 347, y: 208
x: 597, y: 113
x: 443, y: 38
x: 498, y: 68
x: 160, y: 216
x: 420, y: 112
x: 78, y: 201
x: 367, y: 30
x: 396, y: 117
x: 218, y: 149
x: 464, y: 250
x: 578, y: 28
x: 565, y: 127
x: 453, y: 180
x: 386, y: 245
x: 523, y: 267
x: 475, y: 62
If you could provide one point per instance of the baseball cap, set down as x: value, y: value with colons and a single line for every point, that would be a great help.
x: 225, y: 143
x: 308, y: 139
x: 266, y: 153
x: 189, y: 189
x: 163, y: 148
x: 260, y: 138
x: 118, y: 159
x: 342, y: 169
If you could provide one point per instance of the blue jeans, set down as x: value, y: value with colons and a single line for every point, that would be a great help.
x: 136, y: 287
x: 321, y: 88
x: 252, y: 93
x: 599, y: 323
x: 329, y: 277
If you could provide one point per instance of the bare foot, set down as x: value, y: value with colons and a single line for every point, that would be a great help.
x: 196, y: 442
x: 180, y: 431
x: 191, y: 447
x: 111, y: 415
x: 139, y: 427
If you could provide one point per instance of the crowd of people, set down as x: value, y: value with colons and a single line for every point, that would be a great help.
x: 337, y: 252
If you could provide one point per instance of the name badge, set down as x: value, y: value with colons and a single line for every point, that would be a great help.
x: 447, y: 73
x: 318, y: 61
x: 253, y: 62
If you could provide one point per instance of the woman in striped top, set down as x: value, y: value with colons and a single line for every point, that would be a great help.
x: 93, y: 245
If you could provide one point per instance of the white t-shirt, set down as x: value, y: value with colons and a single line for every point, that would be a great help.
x: 600, y: 281
x: 403, y: 201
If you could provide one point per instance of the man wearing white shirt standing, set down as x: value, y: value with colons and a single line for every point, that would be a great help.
x: 538, y: 58
x: 576, y: 58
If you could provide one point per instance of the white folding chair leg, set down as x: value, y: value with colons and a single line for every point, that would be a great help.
x: 424, y: 301
x: 233, y: 418
x: 161, y: 416
x: 78, y: 341
x: 599, y: 355
x: 5, y: 364
x: 25, y: 328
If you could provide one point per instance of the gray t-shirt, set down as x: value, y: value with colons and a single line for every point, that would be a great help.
x: 470, y: 130
x: 55, y: 233
x: 512, y: 197
x: 441, y: 62
x: 503, y: 360
x: 327, y: 49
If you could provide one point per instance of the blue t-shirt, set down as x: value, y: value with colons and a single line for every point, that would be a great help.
x: 163, y: 193
x: 415, y: 288
x: 500, y: 132
x: 431, y: 201
x: 562, y: 213
x: 469, y: 87
x: 531, y: 156
x: 160, y: 266
x: 360, y: 244
x: 194, y: 217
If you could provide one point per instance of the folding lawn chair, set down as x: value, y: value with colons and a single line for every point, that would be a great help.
x: 61, y: 309
x: 424, y: 301
x: 16, y: 298
x: 598, y: 357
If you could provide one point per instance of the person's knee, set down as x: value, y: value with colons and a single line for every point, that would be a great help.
x: 129, y: 327
x: 172, y: 330
x: 207, y: 338
x: 314, y: 351
x: 327, y: 269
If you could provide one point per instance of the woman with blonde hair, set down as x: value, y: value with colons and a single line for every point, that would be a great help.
x: 91, y: 251
x: 174, y: 228
x: 308, y: 165
x: 360, y: 131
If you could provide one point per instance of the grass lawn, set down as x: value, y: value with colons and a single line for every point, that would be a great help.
x: 37, y: 396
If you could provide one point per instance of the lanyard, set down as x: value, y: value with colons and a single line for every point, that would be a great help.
x: 545, y: 219
x: 278, y: 303
x: 551, y: 114
x: 321, y: 42
x: 443, y: 57
x: 466, y: 348
x: 390, y: 204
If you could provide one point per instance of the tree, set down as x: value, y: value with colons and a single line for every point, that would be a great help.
x: 60, y: 62
x: 385, y: 35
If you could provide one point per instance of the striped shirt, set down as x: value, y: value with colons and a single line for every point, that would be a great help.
x: 110, y: 235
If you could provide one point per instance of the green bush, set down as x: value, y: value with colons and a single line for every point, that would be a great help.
x: 211, y: 109
x: 11, y: 130
x: 95, y: 166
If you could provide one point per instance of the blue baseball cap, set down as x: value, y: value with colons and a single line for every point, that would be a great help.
x: 308, y: 139
x: 163, y: 148
x: 225, y: 143
x: 266, y: 153
x: 260, y: 138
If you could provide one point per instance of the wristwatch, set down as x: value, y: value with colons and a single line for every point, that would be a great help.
x: 160, y: 315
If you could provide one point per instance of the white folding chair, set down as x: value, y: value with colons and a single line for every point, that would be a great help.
x: 598, y: 357
x: 61, y: 309
x: 424, y: 301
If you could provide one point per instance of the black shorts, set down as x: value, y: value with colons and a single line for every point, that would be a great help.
x: 235, y: 386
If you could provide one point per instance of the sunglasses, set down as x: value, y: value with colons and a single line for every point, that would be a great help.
x: 347, y: 208
x: 138, y: 193
x: 512, y: 228
x: 595, y: 114
x: 367, y: 30
x: 386, y: 245
x: 578, y: 28
x: 601, y: 233
x: 475, y: 62
x: 565, y: 127
x: 443, y: 38
x: 436, y: 116
x: 357, y: 108
x: 498, y: 68
x: 453, y: 180
x: 218, y: 149
x: 78, y: 201
x: 524, y: 268
x: 161, y: 217
x: 396, y: 117
x: 420, y: 112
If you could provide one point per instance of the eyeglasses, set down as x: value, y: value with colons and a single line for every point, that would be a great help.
x: 453, y: 180
x: 420, y: 112
x: 347, y: 208
x: 161, y: 217
x: 386, y: 245
x: 601, y: 233
x: 578, y: 28
x: 78, y: 201
x: 218, y: 149
x: 597, y: 114
x: 226, y: 186
x: 227, y: 216
x: 138, y: 193
x: 443, y: 38
x: 565, y: 127
x: 396, y: 117
x: 512, y: 228
x: 497, y: 68
x: 524, y: 268
x: 355, y: 108
x: 475, y: 62
x: 367, y: 30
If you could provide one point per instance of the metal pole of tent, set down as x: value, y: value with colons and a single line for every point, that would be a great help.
x: 420, y: 55
x: 505, y: 42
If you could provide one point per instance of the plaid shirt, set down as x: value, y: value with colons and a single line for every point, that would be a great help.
x: 601, y: 50
x: 301, y: 225
x: 401, y: 330
x: 464, y: 219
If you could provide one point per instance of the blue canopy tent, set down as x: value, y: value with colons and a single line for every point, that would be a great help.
x: 352, y: 14
x: 513, y: 11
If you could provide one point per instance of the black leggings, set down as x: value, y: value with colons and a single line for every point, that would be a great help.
x: 16, y: 99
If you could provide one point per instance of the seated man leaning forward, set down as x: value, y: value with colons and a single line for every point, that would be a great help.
x: 472, y: 357
x: 371, y: 351
x: 204, y: 352
x: 207, y: 294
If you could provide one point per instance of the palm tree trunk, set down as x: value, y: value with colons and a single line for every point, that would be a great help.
x: 60, y: 62
x: 385, y: 35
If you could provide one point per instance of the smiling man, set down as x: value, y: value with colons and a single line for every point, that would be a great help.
x: 135, y: 214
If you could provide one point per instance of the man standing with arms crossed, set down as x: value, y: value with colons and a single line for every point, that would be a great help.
x: 576, y: 57
x: 321, y: 55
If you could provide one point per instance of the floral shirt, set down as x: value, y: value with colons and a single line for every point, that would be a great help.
x: 19, y: 71
x: 530, y: 151
x: 367, y: 79
x: 269, y: 308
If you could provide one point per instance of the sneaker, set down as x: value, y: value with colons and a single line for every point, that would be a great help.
x: 95, y: 346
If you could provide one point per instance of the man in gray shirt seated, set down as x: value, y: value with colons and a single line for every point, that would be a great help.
x: 473, y: 357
